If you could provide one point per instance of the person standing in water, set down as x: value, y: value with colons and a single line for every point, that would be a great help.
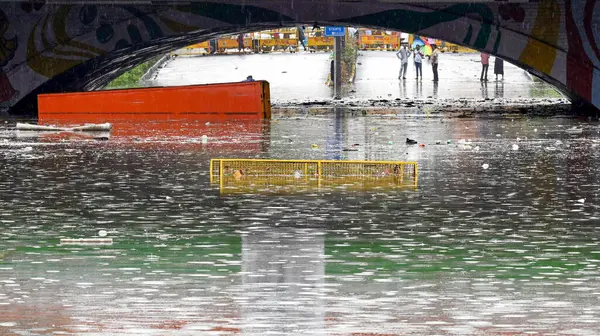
x: 403, y: 55
x: 435, y: 56
x: 499, y: 67
x: 418, y: 57
x: 485, y: 64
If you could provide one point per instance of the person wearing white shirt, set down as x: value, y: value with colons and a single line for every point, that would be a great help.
x: 418, y: 57
x: 403, y: 55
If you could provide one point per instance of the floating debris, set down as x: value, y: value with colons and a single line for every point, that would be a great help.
x: 574, y: 130
x: 84, y: 128
x: 86, y: 241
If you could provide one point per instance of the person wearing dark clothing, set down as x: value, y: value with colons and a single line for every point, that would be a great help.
x: 213, y: 46
x: 499, y: 67
x: 240, y: 41
x: 302, y: 37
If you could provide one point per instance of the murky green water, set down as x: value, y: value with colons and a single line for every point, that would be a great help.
x: 509, y: 250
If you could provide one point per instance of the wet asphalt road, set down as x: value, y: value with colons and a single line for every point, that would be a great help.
x: 301, y: 77
x: 459, y: 77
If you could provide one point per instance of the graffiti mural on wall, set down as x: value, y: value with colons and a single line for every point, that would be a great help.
x: 556, y: 39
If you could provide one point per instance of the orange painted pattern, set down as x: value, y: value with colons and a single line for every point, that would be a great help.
x: 212, y: 102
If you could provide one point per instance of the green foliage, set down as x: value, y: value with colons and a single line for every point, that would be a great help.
x: 349, y: 55
x: 131, y: 78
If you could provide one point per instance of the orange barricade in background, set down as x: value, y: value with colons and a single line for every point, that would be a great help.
x: 212, y: 102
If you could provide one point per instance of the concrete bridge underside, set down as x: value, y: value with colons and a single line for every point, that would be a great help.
x: 61, y: 47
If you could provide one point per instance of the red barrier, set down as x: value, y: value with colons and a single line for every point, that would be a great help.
x: 211, y: 102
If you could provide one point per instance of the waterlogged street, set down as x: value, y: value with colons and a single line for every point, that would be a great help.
x: 499, y: 238
x: 301, y: 77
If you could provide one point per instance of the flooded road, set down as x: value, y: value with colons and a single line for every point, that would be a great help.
x: 513, y: 249
x: 300, y: 77
x: 377, y: 77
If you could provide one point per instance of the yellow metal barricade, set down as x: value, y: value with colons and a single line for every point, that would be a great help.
x: 320, y: 42
x: 258, y: 175
x: 231, y: 43
x: 379, y: 42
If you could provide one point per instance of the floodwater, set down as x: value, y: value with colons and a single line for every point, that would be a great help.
x: 513, y: 249
x: 302, y: 76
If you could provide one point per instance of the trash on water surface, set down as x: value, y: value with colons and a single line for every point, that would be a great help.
x: 102, y: 233
x: 205, y: 139
x: 515, y: 147
x: 314, y: 146
x: 86, y: 241
x: 485, y: 166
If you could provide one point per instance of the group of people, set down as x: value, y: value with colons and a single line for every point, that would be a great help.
x: 404, y: 53
x: 485, y: 64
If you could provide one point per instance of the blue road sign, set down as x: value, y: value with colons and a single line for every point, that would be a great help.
x: 335, y: 31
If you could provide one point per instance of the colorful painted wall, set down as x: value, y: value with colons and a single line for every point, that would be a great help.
x: 55, y: 47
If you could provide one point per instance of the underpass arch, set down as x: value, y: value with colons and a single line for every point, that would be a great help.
x: 538, y: 46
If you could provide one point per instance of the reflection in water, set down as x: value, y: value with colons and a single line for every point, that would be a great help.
x: 512, y: 249
x: 435, y: 90
x: 484, y: 89
x: 499, y: 91
x: 403, y: 91
x: 419, y: 88
x: 283, y: 276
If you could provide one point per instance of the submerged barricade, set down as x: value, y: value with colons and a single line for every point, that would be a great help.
x: 288, y: 176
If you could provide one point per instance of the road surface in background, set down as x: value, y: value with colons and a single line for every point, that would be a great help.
x: 292, y: 77
x: 377, y: 77
x: 302, y: 76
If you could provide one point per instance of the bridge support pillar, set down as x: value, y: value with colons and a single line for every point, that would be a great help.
x: 337, y: 80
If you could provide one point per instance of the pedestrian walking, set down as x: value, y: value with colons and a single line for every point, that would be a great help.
x: 485, y: 64
x: 418, y: 57
x: 403, y: 55
x: 302, y: 37
x: 499, y: 67
x: 435, y: 56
